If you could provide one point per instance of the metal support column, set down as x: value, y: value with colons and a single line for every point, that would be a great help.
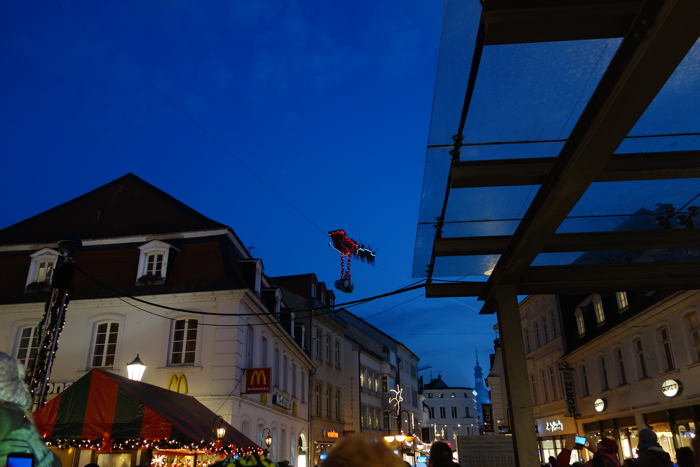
x: 517, y: 381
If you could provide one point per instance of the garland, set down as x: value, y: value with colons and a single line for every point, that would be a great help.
x: 108, y: 444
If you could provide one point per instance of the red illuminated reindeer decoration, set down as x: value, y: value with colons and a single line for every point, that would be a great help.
x: 347, y: 247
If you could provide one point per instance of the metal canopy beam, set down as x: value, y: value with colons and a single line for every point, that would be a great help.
x: 533, y: 171
x: 610, y: 241
x: 520, y: 21
x: 657, y: 42
x: 587, y: 278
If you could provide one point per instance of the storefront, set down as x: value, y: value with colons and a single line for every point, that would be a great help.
x: 552, y: 433
x: 324, y: 443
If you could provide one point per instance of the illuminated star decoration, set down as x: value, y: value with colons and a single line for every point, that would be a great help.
x: 396, y: 397
x: 158, y: 460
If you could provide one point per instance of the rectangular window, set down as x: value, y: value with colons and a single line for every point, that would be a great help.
x: 641, y: 362
x: 318, y: 400
x: 526, y: 337
x: 553, y: 382
x: 604, y: 384
x: 466, y: 412
x: 294, y: 380
x: 553, y: 325
x: 285, y: 374
x: 328, y: 402
x: 622, y: 301
x: 533, y: 388
x: 250, y: 342
x: 668, y: 351
x: 621, y: 366
x: 584, y: 382
x: 580, y: 323
x: 545, y: 390
x: 28, y: 346
x: 276, y: 369
x: 184, y: 342
x: 154, y: 264
x: 337, y: 404
x: 537, y: 335
x: 328, y: 350
x: 454, y: 412
x: 431, y: 412
x: 337, y: 354
x: 303, y: 385
x: 319, y: 355
x: 599, y: 312
x: 694, y: 331
x: 264, y: 352
x: 442, y: 412
x: 105, y: 344
x: 546, y: 329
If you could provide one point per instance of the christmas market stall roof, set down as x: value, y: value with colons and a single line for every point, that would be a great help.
x: 102, y: 405
x: 563, y: 152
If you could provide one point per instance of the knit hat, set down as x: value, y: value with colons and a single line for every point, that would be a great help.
x: 608, y: 445
x: 647, y: 435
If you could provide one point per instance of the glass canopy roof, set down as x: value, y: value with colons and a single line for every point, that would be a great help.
x: 526, y: 101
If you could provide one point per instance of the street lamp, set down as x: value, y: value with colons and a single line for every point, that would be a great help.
x: 267, y: 439
x: 135, y: 369
x: 220, y: 428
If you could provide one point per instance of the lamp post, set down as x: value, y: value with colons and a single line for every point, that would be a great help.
x: 135, y: 369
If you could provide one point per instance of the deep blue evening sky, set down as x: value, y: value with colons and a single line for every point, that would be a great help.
x: 329, y: 102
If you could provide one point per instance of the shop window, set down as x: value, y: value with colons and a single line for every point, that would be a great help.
x: 580, y: 323
x: 620, y: 366
x: 667, y: 350
x: 641, y: 359
x: 693, y: 326
x: 604, y: 384
x: 622, y: 301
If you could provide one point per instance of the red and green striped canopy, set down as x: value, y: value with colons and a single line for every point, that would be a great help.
x: 103, y: 405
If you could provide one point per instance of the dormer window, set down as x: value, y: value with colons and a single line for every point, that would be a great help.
x: 622, y: 301
x: 580, y: 323
x: 599, y: 312
x: 153, y: 263
x: 313, y: 290
x: 41, y: 268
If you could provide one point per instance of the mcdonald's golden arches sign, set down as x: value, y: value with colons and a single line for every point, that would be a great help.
x: 257, y: 380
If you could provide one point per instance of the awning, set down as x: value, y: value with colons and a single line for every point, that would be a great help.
x: 103, y: 406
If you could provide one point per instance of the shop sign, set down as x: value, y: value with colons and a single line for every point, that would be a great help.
x: 257, y: 380
x: 282, y: 401
x: 328, y: 433
x: 570, y: 392
x: 58, y: 388
x: 554, y: 425
x: 599, y: 405
x: 670, y: 388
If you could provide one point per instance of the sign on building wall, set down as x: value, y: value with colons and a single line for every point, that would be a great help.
x: 257, y: 380
x: 569, y: 391
x: 670, y: 388
x: 280, y: 400
x: 178, y: 384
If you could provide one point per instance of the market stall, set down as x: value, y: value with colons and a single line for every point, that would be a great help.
x: 115, y: 421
